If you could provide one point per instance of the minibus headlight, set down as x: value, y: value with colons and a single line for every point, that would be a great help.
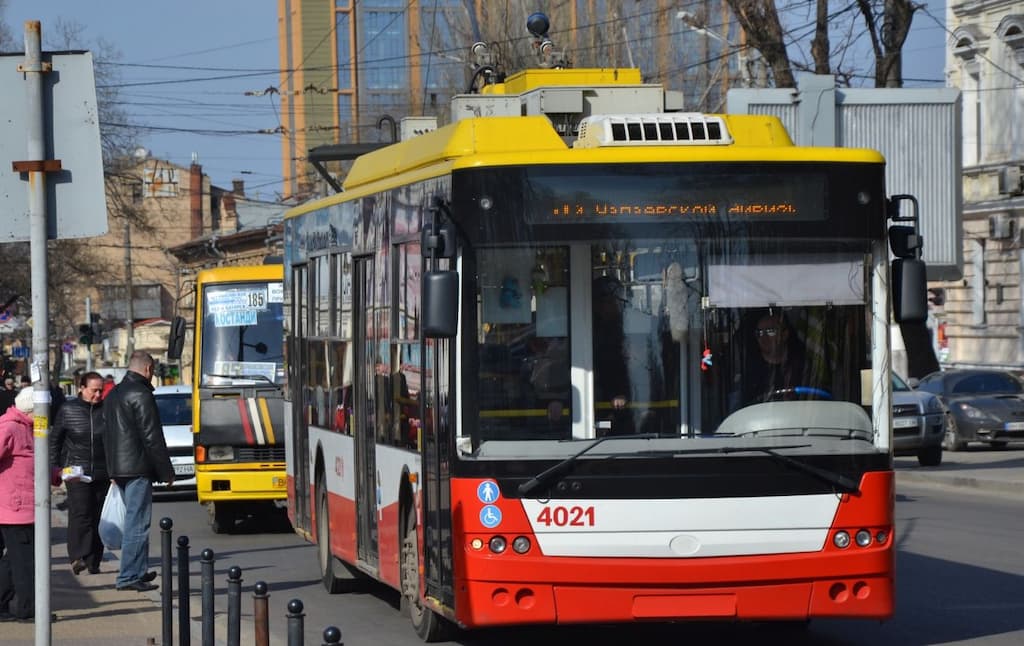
x: 220, y: 453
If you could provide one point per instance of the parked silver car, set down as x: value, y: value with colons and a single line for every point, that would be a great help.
x: 175, y: 406
x: 919, y: 422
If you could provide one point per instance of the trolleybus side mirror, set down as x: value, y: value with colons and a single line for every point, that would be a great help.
x: 440, y: 304
x: 176, y: 338
x: 905, y: 241
x: 441, y: 243
x: 909, y: 274
x: 910, y: 290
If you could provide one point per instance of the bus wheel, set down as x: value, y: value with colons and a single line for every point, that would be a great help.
x: 335, y: 575
x: 429, y: 626
x: 222, y: 517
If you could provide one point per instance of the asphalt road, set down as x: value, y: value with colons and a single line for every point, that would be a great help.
x: 960, y: 579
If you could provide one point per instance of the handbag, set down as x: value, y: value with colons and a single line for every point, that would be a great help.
x: 111, y: 527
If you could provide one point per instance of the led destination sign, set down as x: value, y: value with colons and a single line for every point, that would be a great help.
x: 605, y: 210
x: 582, y: 197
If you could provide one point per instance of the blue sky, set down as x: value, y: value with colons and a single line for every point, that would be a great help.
x: 233, y: 41
x: 166, y: 51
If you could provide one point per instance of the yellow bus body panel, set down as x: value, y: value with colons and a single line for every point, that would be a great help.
x: 245, y: 482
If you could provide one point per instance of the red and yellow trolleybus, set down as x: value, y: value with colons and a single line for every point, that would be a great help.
x: 637, y: 370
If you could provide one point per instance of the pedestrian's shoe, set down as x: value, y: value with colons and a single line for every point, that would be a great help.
x: 138, y: 586
x: 148, y: 576
x: 94, y: 569
x: 77, y: 566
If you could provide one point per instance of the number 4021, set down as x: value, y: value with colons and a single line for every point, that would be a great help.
x: 566, y: 516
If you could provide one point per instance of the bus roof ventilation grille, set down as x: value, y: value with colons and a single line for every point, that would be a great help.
x: 674, y: 129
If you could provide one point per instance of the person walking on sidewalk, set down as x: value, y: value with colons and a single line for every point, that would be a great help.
x: 17, y: 511
x: 136, y: 458
x: 76, y: 445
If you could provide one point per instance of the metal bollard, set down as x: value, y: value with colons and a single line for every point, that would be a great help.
x: 184, y: 625
x: 332, y: 636
x: 234, y: 605
x: 296, y: 635
x: 206, y: 576
x: 260, y: 618
x: 166, y: 598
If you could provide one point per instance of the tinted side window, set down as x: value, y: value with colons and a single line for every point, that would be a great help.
x: 992, y: 383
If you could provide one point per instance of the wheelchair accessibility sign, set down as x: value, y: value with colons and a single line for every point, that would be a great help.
x: 490, y: 516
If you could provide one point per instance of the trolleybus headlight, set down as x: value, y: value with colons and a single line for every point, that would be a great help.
x: 498, y: 544
x: 477, y: 543
x: 882, y: 537
x: 220, y: 453
x: 863, y: 538
x: 521, y: 545
x: 841, y: 539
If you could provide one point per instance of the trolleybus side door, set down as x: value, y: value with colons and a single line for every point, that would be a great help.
x: 364, y: 431
x: 297, y: 361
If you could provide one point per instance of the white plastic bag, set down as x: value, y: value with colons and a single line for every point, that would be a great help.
x: 112, y: 518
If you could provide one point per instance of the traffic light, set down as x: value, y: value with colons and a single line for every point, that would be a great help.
x: 86, y: 334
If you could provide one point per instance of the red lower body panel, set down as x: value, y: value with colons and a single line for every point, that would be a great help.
x: 496, y: 604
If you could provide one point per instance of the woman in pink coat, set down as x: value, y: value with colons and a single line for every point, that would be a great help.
x: 17, y: 513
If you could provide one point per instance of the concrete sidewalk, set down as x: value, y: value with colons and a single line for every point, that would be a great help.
x: 979, y: 468
x: 90, y: 612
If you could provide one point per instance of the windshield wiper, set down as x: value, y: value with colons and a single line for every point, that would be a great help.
x: 548, y: 475
x: 831, y: 477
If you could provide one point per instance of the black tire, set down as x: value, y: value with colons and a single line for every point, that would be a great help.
x: 335, y: 575
x: 222, y: 517
x: 952, y: 441
x: 429, y: 626
x: 930, y: 456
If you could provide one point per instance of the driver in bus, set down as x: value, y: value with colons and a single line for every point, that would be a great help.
x: 777, y: 364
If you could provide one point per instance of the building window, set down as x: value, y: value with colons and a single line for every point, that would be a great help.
x: 977, y: 281
x: 1011, y: 32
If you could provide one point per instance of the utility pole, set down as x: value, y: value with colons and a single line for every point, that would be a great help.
x: 36, y: 167
x: 130, y: 323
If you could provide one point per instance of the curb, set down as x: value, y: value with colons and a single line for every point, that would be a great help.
x: 961, y: 482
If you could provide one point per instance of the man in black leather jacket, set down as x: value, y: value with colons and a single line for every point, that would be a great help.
x: 136, y: 457
x: 76, y: 440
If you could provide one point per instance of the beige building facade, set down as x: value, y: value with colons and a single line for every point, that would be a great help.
x: 980, y: 317
x: 180, y: 223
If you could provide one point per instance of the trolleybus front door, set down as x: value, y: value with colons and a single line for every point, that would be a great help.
x: 298, y: 360
x: 364, y: 409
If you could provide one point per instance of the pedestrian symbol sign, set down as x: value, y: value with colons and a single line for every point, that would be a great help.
x: 487, y: 491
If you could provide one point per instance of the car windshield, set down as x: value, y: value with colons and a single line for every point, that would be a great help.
x: 175, y: 409
x: 990, y: 382
x: 898, y: 384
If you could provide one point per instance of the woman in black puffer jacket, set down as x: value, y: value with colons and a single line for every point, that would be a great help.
x: 76, y: 440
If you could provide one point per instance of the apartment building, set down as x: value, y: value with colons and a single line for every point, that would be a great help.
x: 180, y: 222
x: 981, y: 318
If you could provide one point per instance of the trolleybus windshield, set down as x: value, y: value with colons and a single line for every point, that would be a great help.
x: 241, y: 334
x: 608, y: 330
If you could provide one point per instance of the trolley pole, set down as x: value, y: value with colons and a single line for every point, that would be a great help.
x: 36, y: 167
